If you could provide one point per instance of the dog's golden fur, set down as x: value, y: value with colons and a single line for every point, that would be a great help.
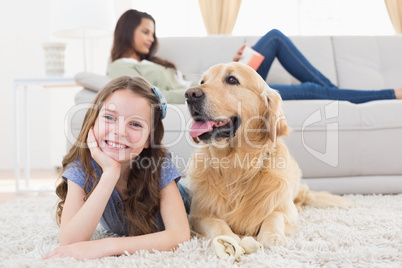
x: 249, y: 184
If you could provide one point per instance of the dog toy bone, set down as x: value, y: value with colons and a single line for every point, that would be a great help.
x: 250, y: 245
x: 226, y: 246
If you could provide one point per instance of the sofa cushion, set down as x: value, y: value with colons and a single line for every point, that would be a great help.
x: 193, y: 56
x: 85, y: 96
x: 368, y: 62
x: 328, y: 138
x: 91, y: 81
x: 338, y: 138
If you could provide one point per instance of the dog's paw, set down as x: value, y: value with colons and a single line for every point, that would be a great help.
x: 226, y: 246
x: 273, y: 240
x: 250, y: 245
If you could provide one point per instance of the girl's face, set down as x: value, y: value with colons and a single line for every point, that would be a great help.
x: 123, y: 126
x: 144, y: 36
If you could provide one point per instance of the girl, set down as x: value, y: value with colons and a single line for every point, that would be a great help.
x: 124, y: 178
x: 135, y: 44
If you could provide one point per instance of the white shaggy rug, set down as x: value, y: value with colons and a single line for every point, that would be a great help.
x: 369, y: 235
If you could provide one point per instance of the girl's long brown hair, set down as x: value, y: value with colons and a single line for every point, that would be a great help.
x: 142, y: 203
x: 123, y: 40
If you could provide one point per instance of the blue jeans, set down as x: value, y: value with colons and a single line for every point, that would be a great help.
x: 314, y: 85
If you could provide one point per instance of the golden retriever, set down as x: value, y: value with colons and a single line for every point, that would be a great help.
x: 243, y: 180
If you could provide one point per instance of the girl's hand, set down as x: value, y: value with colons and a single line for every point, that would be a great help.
x: 100, y: 157
x: 85, y: 250
x: 239, y: 53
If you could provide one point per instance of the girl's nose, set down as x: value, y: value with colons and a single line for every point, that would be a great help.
x: 121, y: 127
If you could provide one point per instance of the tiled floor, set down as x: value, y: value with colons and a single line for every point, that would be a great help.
x: 43, y: 182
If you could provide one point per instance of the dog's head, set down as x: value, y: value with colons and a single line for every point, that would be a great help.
x: 233, y: 100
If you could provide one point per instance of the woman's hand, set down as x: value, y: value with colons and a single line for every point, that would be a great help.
x: 239, y: 53
x: 85, y: 250
x: 100, y: 157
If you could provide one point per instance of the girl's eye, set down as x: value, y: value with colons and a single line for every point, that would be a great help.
x: 136, y: 125
x: 108, y: 117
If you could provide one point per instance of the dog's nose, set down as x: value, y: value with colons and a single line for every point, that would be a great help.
x: 194, y: 94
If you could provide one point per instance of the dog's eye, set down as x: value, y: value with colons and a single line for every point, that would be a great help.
x: 202, y: 82
x: 231, y: 80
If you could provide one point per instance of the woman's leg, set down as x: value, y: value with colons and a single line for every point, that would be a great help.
x: 276, y: 44
x: 312, y: 91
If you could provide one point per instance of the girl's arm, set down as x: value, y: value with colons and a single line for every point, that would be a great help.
x: 80, y: 218
x: 176, y: 231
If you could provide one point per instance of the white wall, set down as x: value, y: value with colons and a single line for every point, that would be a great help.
x: 314, y: 17
x: 24, y: 26
x: 293, y: 17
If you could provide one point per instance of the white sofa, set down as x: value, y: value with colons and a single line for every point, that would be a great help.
x: 341, y: 147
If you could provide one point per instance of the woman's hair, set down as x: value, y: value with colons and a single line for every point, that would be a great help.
x: 142, y: 203
x: 123, y: 41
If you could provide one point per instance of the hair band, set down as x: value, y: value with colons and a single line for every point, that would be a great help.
x: 162, y: 101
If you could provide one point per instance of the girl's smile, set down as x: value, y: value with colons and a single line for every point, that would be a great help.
x: 123, y: 125
x: 115, y: 145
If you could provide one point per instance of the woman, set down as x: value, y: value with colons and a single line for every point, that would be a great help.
x: 135, y: 45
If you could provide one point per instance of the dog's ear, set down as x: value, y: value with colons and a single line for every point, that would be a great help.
x: 275, y: 120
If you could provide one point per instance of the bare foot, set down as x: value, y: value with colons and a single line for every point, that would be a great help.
x: 398, y: 93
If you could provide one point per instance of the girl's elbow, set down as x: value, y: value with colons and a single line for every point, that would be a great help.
x: 185, y: 237
x: 178, y: 236
x: 182, y: 236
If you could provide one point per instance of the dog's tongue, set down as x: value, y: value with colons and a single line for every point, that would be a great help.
x: 199, y: 128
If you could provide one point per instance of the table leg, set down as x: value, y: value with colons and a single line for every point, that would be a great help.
x: 27, y: 142
x: 16, y: 139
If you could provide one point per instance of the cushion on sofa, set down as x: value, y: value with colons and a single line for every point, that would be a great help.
x: 338, y: 138
x: 193, y: 56
x: 91, y: 81
x: 368, y: 62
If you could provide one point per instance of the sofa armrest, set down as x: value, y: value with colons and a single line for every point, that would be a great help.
x: 91, y: 81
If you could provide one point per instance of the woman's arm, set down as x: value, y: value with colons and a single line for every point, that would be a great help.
x: 120, y: 68
x: 239, y: 53
x: 176, y: 231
